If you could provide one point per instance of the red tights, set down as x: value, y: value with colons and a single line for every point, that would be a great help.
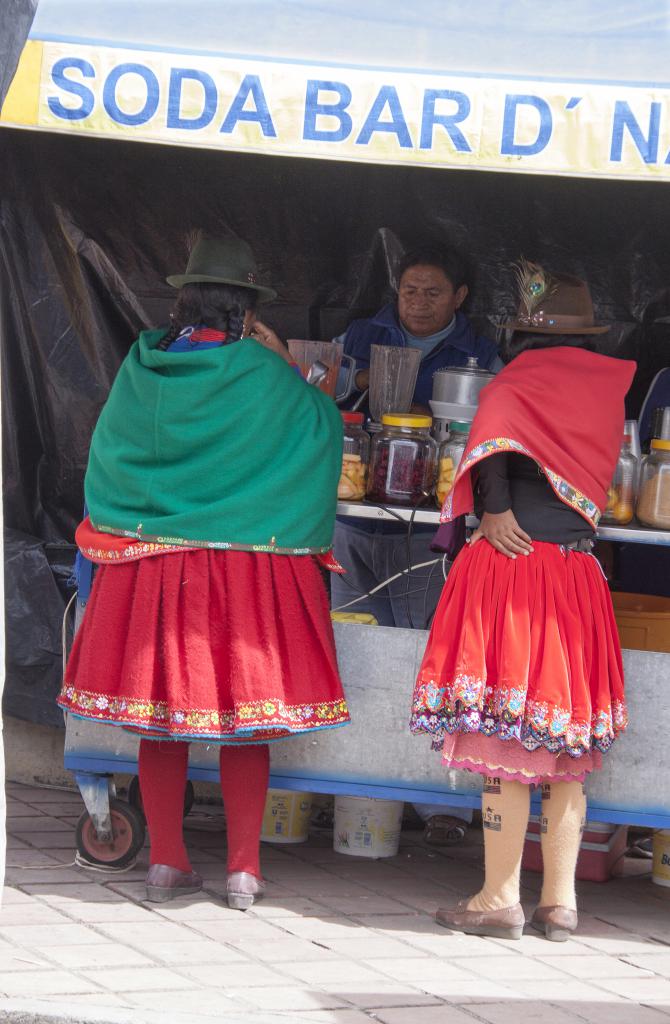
x: 244, y: 784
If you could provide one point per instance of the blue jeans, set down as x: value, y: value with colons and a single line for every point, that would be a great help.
x: 372, y: 557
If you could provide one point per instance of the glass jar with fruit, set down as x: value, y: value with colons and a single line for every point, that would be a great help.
x: 653, y: 503
x: 448, y: 460
x: 621, y: 493
x: 355, y: 458
x: 402, y: 460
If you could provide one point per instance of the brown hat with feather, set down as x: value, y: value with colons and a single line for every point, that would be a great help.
x: 552, y: 303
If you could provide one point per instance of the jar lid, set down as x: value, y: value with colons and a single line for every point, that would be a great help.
x: 406, y: 419
x: 659, y: 443
x: 353, y: 417
x: 471, y: 369
x: 460, y: 425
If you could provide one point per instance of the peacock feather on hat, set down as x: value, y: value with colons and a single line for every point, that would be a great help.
x: 534, y: 284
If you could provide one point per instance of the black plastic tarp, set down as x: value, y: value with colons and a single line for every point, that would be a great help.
x: 89, y: 229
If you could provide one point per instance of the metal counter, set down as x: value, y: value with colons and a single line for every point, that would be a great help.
x: 632, y: 534
x: 377, y: 756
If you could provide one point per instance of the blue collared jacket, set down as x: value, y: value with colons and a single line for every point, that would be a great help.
x: 385, y: 329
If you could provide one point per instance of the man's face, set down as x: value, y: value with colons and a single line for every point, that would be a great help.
x: 427, y: 300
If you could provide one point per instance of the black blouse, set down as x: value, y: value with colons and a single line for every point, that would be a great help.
x: 509, y: 480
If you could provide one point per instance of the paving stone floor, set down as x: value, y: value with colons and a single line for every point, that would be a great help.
x: 339, y: 939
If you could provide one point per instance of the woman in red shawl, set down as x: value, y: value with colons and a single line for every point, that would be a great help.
x: 522, y: 677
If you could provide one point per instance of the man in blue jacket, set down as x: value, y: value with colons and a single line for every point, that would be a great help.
x: 432, y: 286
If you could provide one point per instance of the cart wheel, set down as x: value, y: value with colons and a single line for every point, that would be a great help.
x: 128, y: 837
x: 135, y: 795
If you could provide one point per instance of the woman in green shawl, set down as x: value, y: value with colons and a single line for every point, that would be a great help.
x: 211, y: 490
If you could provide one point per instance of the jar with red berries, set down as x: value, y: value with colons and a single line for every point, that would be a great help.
x: 402, y: 461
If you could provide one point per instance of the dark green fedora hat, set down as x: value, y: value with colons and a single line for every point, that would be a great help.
x: 222, y: 261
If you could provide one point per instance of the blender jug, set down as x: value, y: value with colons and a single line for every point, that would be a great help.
x: 330, y: 353
x: 393, y: 373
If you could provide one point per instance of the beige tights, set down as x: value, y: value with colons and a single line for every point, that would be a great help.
x: 505, y: 808
x: 563, y: 811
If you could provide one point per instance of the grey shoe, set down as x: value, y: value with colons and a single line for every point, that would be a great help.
x: 164, y: 883
x: 498, y: 924
x: 243, y: 890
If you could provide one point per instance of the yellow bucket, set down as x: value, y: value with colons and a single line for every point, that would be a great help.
x: 660, y: 872
x: 362, y: 618
x: 286, y: 816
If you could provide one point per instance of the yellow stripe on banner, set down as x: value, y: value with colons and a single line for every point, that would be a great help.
x: 21, y: 104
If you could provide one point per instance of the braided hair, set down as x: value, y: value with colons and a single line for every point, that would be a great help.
x: 220, y: 307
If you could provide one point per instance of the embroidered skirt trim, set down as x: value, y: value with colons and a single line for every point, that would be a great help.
x: 468, y: 705
x: 265, y: 718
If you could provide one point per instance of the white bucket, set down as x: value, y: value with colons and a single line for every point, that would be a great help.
x: 660, y: 872
x: 366, y: 827
x: 286, y: 816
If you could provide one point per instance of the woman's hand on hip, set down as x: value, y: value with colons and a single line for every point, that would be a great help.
x: 263, y: 334
x: 504, y: 533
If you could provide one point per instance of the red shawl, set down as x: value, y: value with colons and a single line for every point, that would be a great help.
x: 563, y: 407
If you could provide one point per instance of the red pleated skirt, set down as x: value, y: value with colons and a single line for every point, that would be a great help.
x: 217, y: 646
x: 522, y: 675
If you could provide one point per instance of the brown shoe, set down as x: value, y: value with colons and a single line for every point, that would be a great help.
x: 164, y: 883
x: 444, y: 830
x: 557, y: 923
x: 497, y: 924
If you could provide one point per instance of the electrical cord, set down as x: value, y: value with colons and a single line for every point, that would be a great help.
x: 352, y: 586
x: 425, y: 617
x: 445, y: 562
x: 406, y: 571
x: 391, y: 579
x: 362, y: 594
x: 357, y: 590
x: 408, y: 542
x: 410, y: 528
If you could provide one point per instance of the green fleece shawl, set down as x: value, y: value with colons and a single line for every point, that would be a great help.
x: 224, y: 447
